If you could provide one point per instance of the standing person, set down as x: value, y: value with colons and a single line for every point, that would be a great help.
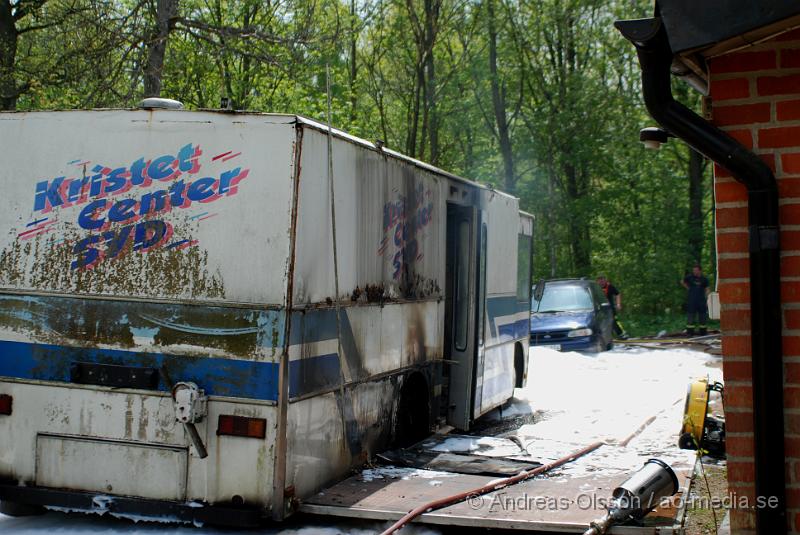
x: 615, y: 299
x: 696, y: 307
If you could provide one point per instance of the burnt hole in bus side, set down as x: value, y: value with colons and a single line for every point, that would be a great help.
x: 412, y: 418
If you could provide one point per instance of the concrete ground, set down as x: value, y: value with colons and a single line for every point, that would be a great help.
x: 631, y: 394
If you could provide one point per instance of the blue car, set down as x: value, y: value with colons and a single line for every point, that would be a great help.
x: 571, y: 315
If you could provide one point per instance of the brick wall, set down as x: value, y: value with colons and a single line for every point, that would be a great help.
x: 756, y: 99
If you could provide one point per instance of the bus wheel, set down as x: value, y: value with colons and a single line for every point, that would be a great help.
x: 20, y: 509
x: 412, y: 420
x: 519, y: 365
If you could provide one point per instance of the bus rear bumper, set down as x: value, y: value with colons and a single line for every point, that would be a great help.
x: 133, y: 508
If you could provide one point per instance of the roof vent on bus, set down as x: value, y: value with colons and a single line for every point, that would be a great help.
x: 156, y: 103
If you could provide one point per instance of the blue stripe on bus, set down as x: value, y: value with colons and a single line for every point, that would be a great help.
x: 314, y: 374
x: 217, y: 376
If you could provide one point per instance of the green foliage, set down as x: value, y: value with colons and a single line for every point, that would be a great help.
x: 418, y: 73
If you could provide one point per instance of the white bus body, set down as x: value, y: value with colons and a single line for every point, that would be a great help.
x: 141, y: 250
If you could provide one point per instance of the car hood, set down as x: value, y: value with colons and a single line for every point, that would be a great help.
x: 556, y: 321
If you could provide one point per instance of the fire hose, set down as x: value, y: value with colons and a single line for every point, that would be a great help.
x: 626, y: 503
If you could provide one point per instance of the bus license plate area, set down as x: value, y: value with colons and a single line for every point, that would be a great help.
x: 111, y: 467
x: 88, y: 373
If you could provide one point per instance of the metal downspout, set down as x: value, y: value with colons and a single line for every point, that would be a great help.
x: 655, y: 58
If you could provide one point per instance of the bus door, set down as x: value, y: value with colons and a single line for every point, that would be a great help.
x: 461, y: 311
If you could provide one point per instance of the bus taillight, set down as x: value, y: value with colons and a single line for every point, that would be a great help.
x: 241, y: 426
x: 5, y: 404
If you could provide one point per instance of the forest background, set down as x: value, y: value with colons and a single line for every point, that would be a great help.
x: 540, y: 98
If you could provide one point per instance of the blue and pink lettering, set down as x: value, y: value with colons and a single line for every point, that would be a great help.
x: 116, y: 226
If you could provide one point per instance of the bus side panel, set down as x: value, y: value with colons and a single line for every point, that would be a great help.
x: 390, y: 226
x: 390, y: 232
x: 506, y: 318
x: 161, y: 204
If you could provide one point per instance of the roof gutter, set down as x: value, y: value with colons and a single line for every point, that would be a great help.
x: 655, y: 58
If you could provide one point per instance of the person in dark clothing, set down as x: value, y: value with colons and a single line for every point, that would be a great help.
x: 696, y: 307
x: 615, y: 298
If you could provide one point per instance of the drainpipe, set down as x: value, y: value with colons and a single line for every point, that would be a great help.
x: 655, y: 58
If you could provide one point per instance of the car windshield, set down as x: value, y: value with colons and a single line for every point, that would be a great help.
x: 563, y: 299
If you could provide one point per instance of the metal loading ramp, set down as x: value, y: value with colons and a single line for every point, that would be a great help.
x: 564, y: 500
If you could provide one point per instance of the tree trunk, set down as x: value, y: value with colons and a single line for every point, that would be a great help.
x: 413, y: 116
x: 166, y: 10
x: 577, y: 222
x: 431, y: 29
x: 499, y: 105
x: 353, y: 64
x: 8, y: 56
x: 695, y: 245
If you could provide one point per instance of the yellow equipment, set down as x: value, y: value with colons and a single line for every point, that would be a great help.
x: 701, y: 429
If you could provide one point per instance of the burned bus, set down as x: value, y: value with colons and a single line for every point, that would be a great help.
x: 206, y: 316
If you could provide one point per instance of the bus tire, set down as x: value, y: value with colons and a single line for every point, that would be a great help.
x: 412, y: 417
x: 519, y: 365
x: 20, y: 509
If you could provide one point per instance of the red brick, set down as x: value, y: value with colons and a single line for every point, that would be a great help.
x: 790, y: 266
x: 733, y: 268
x: 730, y: 89
x: 739, y: 446
x: 791, y: 346
x: 791, y: 399
x: 792, y: 425
x: 792, y: 35
x: 739, y: 422
x: 745, y: 137
x: 741, y: 471
x: 791, y: 446
x: 730, y: 192
x: 732, y: 217
x: 791, y: 318
x: 742, y: 114
x: 790, y: 292
x: 733, y: 242
x: 789, y: 187
x: 775, y: 138
x: 737, y: 370
x: 738, y: 397
x: 790, y: 58
x: 735, y: 320
x: 779, y: 85
x: 790, y: 240
x: 736, y: 346
x: 791, y: 162
x: 790, y: 214
x: 788, y: 110
x: 734, y: 292
x: 742, y: 519
x: 793, y: 498
x: 792, y: 369
x: 744, y: 62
